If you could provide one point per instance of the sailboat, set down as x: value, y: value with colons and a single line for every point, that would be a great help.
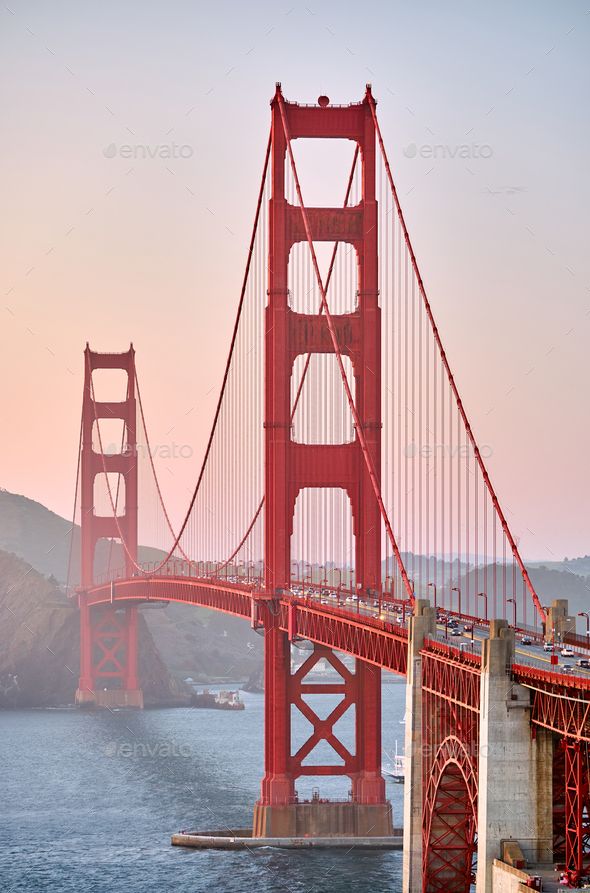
x: 396, y: 772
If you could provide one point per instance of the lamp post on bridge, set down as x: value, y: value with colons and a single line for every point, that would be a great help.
x: 387, y: 590
x: 586, y: 614
x: 458, y: 591
x: 338, y: 571
x: 434, y: 589
x: 484, y: 595
x: 513, y: 600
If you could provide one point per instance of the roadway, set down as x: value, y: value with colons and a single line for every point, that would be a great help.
x: 532, y: 655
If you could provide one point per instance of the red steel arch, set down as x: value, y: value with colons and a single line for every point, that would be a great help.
x: 450, y: 820
x: 450, y: 732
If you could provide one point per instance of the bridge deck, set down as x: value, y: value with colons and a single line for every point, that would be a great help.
x: 561, y: 698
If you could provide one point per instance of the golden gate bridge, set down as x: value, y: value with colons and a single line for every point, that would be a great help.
x: 343, y: 499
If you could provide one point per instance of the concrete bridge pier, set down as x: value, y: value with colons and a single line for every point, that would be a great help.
x: 514, y: 767
x: 422, y: 624
x: 513, y: 763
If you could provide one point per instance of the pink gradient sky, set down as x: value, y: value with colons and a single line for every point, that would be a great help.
x: 110, y: 250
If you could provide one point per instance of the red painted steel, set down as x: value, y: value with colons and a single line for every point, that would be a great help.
x: 291, y: 467
x: 450, y: 678
x: 558, y: 780
x: 559, y: 703
x: 377, y: 642
x: 450, y: 730
x: 323, y: 729
x: 365, y: 406
x: 577, y: 816
x: 108, y: 639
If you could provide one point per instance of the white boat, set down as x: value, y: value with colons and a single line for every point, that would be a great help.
x: 397, y: 770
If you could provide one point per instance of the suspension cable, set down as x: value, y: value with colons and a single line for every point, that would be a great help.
x: 332, y: 331
x: 307, y: 359
x: 73, y: 527
x: 161, y: 564
x: 153, y: 468
x: 449, y: 373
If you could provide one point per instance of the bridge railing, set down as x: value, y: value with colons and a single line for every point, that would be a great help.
x: 577, y: 641
x: 453, y: 652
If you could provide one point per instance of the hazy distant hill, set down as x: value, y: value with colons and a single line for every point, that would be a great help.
x: 44, y: 539
x: 579, y: 566
x: 549, y: 584
x: 193, y: 642
x: 39, y: 644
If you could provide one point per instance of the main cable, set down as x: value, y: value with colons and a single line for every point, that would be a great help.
x: 449, y: 373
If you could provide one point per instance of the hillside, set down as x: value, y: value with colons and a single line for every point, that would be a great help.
x: 44, y: 539
x: 548, y: 582
x: 192, y: 642
x: 580, y: 566
x: 39, y: 644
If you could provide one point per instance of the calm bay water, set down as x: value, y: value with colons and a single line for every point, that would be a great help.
x: 89, y: 801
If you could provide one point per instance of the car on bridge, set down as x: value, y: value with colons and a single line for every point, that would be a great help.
x: 566, y: 651
x: 584, y: 663
x: 548, y: 646
x: 456, y: 631
x: 526, y: 640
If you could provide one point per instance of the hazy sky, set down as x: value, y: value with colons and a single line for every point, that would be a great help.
x: 101, y: 242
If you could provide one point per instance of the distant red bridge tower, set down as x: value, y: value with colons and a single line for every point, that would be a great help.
x: 108, y: 634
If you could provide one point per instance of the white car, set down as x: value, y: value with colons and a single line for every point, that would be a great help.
x: 566, y: 651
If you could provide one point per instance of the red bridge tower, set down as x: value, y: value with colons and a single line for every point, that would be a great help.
x: 108, y: 634
x: 292, y: 467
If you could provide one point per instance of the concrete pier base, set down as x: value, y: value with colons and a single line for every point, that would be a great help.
x: 241, y: 839
x: 515, y: 768
x: 322, y: 820
x: 110, y: 699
